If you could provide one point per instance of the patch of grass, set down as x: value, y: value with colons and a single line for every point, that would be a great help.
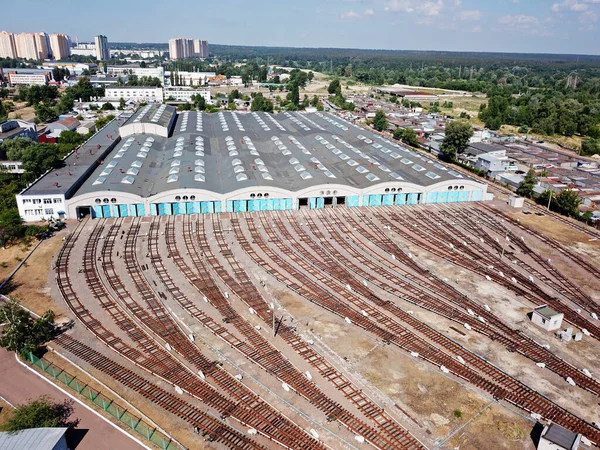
x: 4, y: 264
x: 510, y: 430
x: 18, y: 259
x: 457, y: 413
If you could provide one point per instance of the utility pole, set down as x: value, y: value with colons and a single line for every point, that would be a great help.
x: 550, y: 199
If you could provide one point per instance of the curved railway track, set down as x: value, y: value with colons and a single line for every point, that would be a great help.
x: 455, y: 308
x: 262, y: 351
x: 211, y: 428
x: 494, y: 381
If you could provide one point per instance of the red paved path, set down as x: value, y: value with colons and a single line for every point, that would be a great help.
x: 18, y: 385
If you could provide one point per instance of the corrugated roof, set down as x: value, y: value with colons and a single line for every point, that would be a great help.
x: 33, y: 438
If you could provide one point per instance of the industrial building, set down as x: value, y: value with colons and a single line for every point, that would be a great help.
x: 148, y: 94
x: 158, y: 162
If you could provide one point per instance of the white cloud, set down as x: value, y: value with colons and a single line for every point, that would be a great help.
x: 428, y: 8
x: 476, y: 29
x: 518, y: 20
x: 350, y: 15
x: 571, y: 5
x: 473, y: 14
x: 369, y: 12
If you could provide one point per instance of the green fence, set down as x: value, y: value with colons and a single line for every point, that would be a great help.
x: 114, y: 409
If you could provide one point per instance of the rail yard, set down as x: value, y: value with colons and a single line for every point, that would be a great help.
x: 388, y: 327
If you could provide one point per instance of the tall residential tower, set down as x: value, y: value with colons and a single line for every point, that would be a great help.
x: 102, y: 52
x: 8, y: 48
x: 60, y: 45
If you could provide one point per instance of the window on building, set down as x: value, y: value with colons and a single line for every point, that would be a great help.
x: 105, y: 200
x: 57, y: 200
x: 37, y: 201
x: 98, y: 201
x: 49, y: 211
x: 47, y: 201
x: 29, y: 212
x: 113, y: 200
x: 177, y: 198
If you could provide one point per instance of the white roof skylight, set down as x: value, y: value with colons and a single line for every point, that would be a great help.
x: 241, y: 177
x: 199, y: 177
x: 305, y: 175
x: 372, y: 177
x: 128, y: 179
x: 99, y: 180
x: 172, y: 178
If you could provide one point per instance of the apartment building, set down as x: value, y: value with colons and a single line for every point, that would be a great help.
x: 102, y: 51
x: 8, y: 48
x: 60, y: 45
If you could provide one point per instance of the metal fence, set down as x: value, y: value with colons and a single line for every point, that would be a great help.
x: 117, y: 411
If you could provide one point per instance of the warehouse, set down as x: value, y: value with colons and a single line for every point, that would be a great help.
x: 159, y: 162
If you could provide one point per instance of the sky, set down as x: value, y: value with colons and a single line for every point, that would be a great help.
x: 523, y: 26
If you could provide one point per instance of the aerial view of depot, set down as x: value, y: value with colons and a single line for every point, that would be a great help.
x: 260, y: 246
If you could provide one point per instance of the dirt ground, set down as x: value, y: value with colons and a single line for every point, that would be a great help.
x: 30, y: 283
x: 5, y: 412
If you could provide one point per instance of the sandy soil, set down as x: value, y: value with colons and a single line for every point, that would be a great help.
x: 30, y: 284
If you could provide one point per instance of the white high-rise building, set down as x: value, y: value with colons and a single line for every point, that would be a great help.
x: 181, y: 48
x: 200, y: 48
x: 42, y: 43
x: 60, y: 45
x: 26, y: 46
x: 102, y: 51
x: 8, y: 47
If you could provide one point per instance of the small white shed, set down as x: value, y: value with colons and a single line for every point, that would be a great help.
x: 555, y: 437
x: 547, y: 318
x: 515, y: 201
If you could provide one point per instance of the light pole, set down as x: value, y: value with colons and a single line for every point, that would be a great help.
x: 550, y: 199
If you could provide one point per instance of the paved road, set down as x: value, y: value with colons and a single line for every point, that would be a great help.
x: 18, y: 385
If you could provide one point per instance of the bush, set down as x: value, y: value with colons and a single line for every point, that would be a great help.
x: 41, y: 413
x: 457, y: 413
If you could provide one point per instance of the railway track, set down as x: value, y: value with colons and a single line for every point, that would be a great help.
x: 241, y: 284
x: 453, y: 307
x: 501, y: 272
x: 268, y: 357
x: 494, y: 381
x: 248, y: 407
x: 215, y: 430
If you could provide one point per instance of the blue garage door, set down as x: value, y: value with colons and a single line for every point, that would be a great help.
x: 123, y: 210
x: 375, y: 200
x: 476, y: 196
x: 106, y: 211
x: 400, y: 199
x: 412, y: 199
x: 388, y: 200
x: 253, y: 205
x: 320, y: 203
x: 218, y: 207
x: 192, y: 207
x: 98, y: 210
x: 240, y: 206
x: 312, y: 203
x: 140, y: 209
x: 463, y: 196
x: 352, y: 201
x: 431, y: 197
x: 229, y: 206
x: 179, y: 208
x: 164, y: 209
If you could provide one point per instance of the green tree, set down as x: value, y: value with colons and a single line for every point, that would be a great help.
x: 72, y: 138
x: 3, y: 112
x: 44, y: 113
x: 567, y: 203
x: 122, y: 104
x: 458, y: 133
x: 103, y: 121
x: 525, y: 188
x: 407, y: 135
x: 315, y: 101
x: 21, y: 332
x: 108, y: 106
x: 11, y: 227
x: 260, y: 103
x: 199, y: 101
x: 334, y: 87
x: 380, y: 123
x: 590, y: 147
x: 294, y: 94
x: 41, y: 413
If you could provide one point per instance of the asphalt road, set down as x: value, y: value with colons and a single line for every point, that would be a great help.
x: 18, y: 385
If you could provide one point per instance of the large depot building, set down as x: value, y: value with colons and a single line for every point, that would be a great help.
x: 159, y: 162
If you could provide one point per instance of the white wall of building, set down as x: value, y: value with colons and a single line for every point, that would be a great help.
x: 43, y: 207
x: 145, y: 94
